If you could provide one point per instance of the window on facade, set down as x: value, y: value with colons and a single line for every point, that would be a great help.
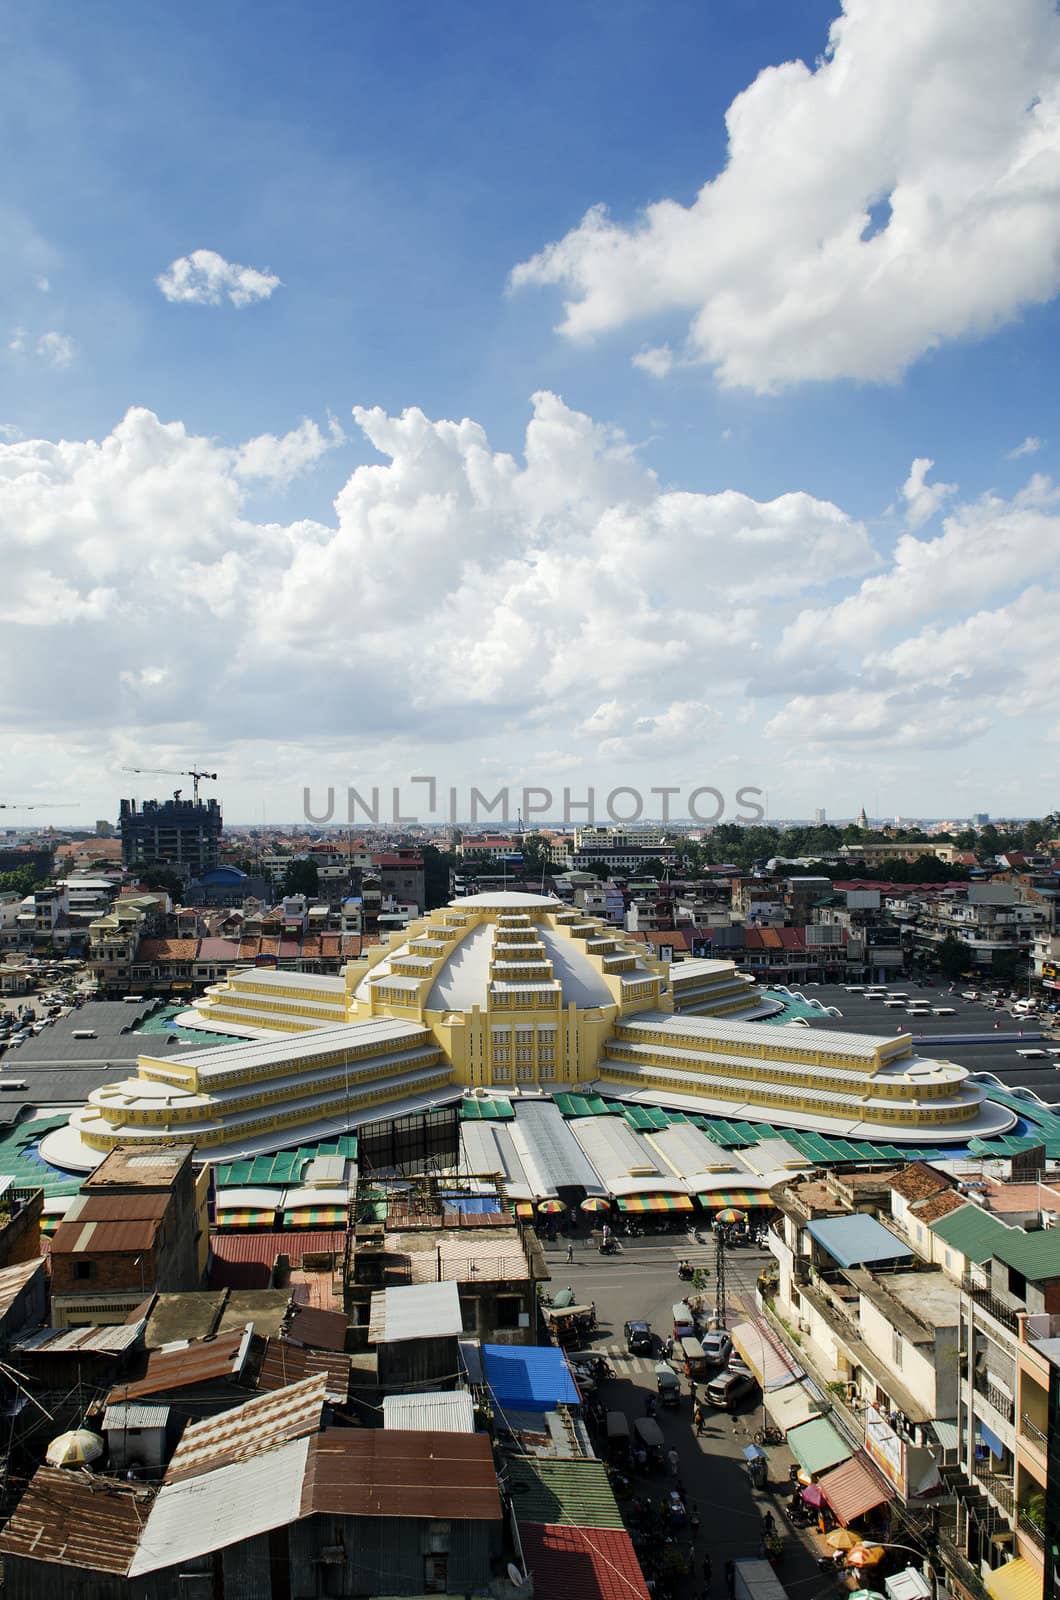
x: 1017, y: 1284
x: 896, y: 1348
x: 83, y: 1269
x: 508, y: 1308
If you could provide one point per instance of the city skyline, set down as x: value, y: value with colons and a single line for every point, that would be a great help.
x: 650, y: 397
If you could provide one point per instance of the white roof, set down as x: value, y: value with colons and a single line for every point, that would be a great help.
x: 771, y: 1155
x: 690, y: 1154
x: 278, y: 978
x: 450, y: 1412
x: 704, y: 1029
x: 415, y: 1311
x: 487, y: 1147
x: 505, y: 900
x: 256, y: 1053
x: 197, y: 1515
x: 624, y: 1161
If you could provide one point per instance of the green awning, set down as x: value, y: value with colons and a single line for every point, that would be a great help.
x: 817, y: 1446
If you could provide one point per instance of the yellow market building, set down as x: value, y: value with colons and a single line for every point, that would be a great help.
x: 519, y: 993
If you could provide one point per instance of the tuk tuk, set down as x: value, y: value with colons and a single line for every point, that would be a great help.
x: 684, y: 1321
x: 695, y: 1360
x: 618, y: 1438
x: 569, y: 1323
x: 668, y: 1384
x: 649, y: 1436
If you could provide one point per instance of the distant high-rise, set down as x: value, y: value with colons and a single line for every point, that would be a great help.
x: 862, y: 819
x: 819, y: 816
x: 183, y: 834
x: 981, y: 818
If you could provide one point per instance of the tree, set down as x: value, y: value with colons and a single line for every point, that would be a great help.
x: 954, y: 956
x: 1004, y: 964
x: 22, y: 881
x: 599, y: 869
x: 156, y: 875
x: 653, y: 868
x: 301, y: 877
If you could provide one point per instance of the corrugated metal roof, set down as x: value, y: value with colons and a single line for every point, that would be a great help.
x: 857, y: 1240
x: 382, y: 1473
x: 415, y: 1311
x: 435, y: 1412
x: 141, y: 1206
x: 104, y: 1238
x: 529, y: 1377
x: 77, y: 1521
x: 136, y: 1415
x: 568, y: 1491
x: 817, y: 1446
x: 263, y: 1248
x: 284, y: 1363
x: 14, y: 1279
x: 197, y: 1515
x: 319, y: 1330
x: 852, y: 1489
x: 100, y: 1341
x: 600, y: 1562
x: 261, y: 1424
x: 200, y: 1361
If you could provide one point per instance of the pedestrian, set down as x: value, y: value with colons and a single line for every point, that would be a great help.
x: 592, y: 1312
x: 668, y: 1347
x: 708, y: 1570
x: 570, y: 1253
x: 674, y: 1460
x: 649, y: 1405
x: 692, y: 1390
x: 693, y: 1521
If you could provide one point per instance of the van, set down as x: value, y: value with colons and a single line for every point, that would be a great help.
x: 726, y: 1392
x: 684, y: 1322
x: 895, y: 1005
x: 83, y: 1033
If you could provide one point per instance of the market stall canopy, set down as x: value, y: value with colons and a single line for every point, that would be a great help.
x: 852, y: 1489
x: 817, y: 1446
x: 795, y: 1404
x: 764, y: 1359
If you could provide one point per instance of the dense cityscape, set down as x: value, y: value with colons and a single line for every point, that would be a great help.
x: 530, y: 801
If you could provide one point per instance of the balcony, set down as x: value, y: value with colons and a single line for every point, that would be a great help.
x: 1002, y: 1403
x: 991, y: 1305
x: 1030, y: 1529
x: 1000, y: 1488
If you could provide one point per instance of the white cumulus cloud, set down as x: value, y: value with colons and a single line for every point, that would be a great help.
x: 1030, y: 447
x: 900, y: 193
x: 923, y: 499
x: 205, y: 278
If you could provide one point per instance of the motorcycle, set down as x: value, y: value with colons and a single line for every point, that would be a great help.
x: 609, y: 1247
x: 769, y: 1435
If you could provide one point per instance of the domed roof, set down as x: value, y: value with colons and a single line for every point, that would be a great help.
x: 508, y: 900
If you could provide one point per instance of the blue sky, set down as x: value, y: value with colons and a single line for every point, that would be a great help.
x: 717, y: 579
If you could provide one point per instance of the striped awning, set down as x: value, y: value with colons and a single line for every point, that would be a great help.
x: 524, y: 1208
x: 48, y: 1225
x: 744, y: 1199
x: 246, y: 1219
x: 316, y: 1217
x: 655, y: 1202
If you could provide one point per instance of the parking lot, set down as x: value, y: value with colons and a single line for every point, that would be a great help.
x: 978, y: 1036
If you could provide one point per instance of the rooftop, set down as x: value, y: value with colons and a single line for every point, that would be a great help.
x: 858, y: 1241
x: 415, y: 1311
x: 262, y: 1424
x: 575, y: 1492
x: 77, y: 1520
x: 918, y: 1181
x: 592, y: 1563
x: 126, y: 1166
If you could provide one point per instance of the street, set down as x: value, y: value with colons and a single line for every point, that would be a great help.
x: 642, y: 1283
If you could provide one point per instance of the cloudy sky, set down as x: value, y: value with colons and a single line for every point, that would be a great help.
x: 641, y: 394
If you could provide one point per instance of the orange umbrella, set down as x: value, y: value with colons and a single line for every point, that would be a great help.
x: 866, y: 1555
x: 842, y: 1539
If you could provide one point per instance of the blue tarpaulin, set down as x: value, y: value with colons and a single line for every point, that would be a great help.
x: 529, y: 1377
x: 858, y: 1241
x: 471, y: 1203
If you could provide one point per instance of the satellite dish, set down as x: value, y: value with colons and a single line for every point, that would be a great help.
x: 515, y: 1577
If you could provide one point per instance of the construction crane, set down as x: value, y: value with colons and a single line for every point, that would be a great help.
x: 38, y: 805
x: 170, y: 772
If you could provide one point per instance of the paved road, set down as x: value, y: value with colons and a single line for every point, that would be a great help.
x: 642, y: 1282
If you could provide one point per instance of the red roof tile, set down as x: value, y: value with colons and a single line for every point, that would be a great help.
x: 591, y: 1563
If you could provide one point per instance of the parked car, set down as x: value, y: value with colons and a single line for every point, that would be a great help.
x: 717, y: 1347
x: 639, y: 1340
x: 729, y: 1388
